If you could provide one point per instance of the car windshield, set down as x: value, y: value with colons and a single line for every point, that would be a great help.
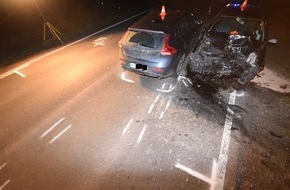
x: 145, y: 38
x: 238, y: 25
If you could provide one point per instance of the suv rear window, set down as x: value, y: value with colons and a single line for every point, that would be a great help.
x: 145, y: 39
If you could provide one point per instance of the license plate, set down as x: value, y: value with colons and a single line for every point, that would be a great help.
x: 138, y: 66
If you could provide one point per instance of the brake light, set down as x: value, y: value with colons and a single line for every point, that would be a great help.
x: 167, y: 49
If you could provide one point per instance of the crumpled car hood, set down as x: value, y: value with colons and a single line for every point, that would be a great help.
x: 220, y: 56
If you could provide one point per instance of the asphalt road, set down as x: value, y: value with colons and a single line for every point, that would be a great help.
x: 71, y: 118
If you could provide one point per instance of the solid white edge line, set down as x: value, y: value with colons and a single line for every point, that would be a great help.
x: 51, y: 128
x: 61, y: 133
x: 142, y: 134
x: 193, y: 173
x: 213, y: 175
x: 6, y: 183
x: 223, y: 155
x: 127, y: 126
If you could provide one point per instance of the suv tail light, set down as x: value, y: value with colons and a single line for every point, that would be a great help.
x: 167, y: 49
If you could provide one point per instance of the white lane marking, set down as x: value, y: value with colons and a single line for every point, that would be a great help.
x: 213, y: 175
x: 123, y: 77
x: 71, y: 44
x: 51, y: 128
x: 13, y: 71
x: 61, y: 133
x: 168, y: 104
x: 161, y: 115
x: 182, y: 77
x: 160, y: 105
x: 3, y: 165
x: 6, y: 183
x: 193, y: 173
x: 151, y: 108
x: 223, y: 156
x: 185, y: 83
x: 166, y: 107
x: 142, y: 134
x: 171, y: 88
x: 99, y: 42
x: 19, y: 73
x: 127, y: 126
x: 157, y: 98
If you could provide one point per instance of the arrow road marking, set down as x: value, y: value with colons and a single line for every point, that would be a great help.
x: 99, y: 42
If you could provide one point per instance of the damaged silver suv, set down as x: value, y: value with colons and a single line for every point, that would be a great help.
x: 233, y: 46
x: 157, y: 44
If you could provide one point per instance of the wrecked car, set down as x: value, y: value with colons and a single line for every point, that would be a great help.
x: 233, y: 46
x: 158, y: 43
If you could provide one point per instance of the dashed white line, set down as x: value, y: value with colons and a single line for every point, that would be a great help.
x: 127, y: 126
x: 61, y: 133
x: 168, y: 104
x: 160, y: 105
x: 151, y: 108
x: 157, y: 98
x: 6, y: 183
x: 51, y: 128
x: 142, y: 134
x: 161, y: 115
